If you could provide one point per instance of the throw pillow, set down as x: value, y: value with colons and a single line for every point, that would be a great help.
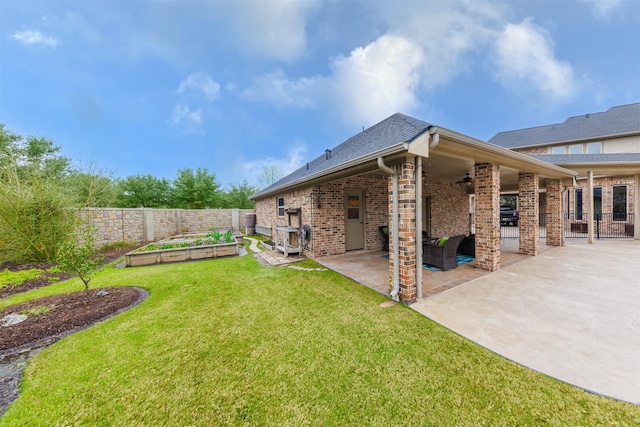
x: 443, y: 240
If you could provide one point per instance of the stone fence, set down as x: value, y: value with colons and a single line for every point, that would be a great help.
x: 142, y: 224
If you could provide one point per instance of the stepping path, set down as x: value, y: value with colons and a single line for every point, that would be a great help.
x: 274, y: 258
x: 254, y: 247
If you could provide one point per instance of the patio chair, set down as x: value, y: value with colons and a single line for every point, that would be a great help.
x: 384, y: 229
x: 443, y: 257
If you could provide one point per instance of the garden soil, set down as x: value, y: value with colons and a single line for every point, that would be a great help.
x: 60, y: 316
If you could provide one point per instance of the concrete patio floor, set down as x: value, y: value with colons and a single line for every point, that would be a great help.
x: 371, y: 269
x: 572, y: 312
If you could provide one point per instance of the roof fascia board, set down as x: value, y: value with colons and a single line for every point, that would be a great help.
x: 327, y: 173
x: 606, y: 168
x: 420, y: 144
x: 467, y: 147
x: 579, y: 140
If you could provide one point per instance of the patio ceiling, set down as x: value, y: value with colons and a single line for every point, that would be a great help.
x: 456, y: 154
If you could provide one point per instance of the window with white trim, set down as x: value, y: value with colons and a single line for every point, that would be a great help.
x: 577, y: 209
x: 597, y: 202
x: 581, y: 148
x: 620, y: 203
x: 280, y: 204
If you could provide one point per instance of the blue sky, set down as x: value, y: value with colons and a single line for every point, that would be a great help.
x: 151, y: 87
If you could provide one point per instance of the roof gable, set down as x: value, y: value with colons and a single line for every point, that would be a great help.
x: 618, y: 120
x: 394, y: 130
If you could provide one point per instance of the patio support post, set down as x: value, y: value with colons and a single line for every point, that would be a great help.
x: 554, y: 212
x: 393, y: 229
x: 529, y: 208
x: 419, y: 214
x: 487, y: 216
x: 407, y: 231
x: 590, y: 216
x: 636, y: 209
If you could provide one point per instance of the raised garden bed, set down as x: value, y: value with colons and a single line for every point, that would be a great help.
x: 184, y: 248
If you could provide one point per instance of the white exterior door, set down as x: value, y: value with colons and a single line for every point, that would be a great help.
x: 354, y: 219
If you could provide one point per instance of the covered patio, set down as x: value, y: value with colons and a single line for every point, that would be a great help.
x: 422, y: 182
x: 464, y: 177
x: 371, y: 269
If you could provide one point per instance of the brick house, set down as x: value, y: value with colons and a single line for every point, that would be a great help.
x: 410, y: 175
x: 604, y: 149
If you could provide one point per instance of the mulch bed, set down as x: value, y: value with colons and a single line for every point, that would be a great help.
x: 44, y: 280
x: 66, y: 312
x: 50, y: 278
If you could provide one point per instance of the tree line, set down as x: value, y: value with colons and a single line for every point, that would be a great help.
x: 91, y: 187
x: 41, y: 192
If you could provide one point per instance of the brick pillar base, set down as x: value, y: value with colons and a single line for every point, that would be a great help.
x: 407, y: 231
x: 487, y: 216
x: 529, y: 209
x: 554, y: 212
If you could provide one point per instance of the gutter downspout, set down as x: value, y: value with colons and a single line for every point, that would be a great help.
x: 419, y: 226
x: 394, y: 227
x: 435, y: 139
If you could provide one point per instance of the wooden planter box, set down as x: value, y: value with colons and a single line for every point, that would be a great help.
x: 160, y: 256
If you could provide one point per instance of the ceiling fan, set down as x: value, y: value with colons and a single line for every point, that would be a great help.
x: 466, y: 180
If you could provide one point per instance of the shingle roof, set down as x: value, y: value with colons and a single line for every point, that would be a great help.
x: 615, y: 121
x: 394, y: 130
x: 567, y: 159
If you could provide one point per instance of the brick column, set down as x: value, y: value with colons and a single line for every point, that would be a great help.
x: 554, y: 212
x: 529, y: 209
x: 487, y: 216
x: 407, y: 231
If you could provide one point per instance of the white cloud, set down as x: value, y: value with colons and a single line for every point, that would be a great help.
x: 296, y: 156
x: 182, y: 114
x: 448, y: 32
x: 524, y: 57
x: 274, y: 28
x: 379, y: 79
x: 423, y: 48
x: 370, y: 84
x: 277, y: 89
x: 195, y: 93
x: 197, y: 83
x: 31, y: 37
x: 602, y: 9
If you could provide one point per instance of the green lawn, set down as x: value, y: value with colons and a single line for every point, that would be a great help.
x: 230, y: 342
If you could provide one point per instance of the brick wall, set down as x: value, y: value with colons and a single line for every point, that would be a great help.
x: 607, y: 185
x: 529, y: 213
x: 206, y: 219
x: 449, y: 208
x: 406, y: 232
x: 165, y: 222
x: 487, y: 215
x: 554, y: 212
x: 116, y: 225
x: 323, y: 209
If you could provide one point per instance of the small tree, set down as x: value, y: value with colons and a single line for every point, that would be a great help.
x: 270, y: 174
x: 80, y: 258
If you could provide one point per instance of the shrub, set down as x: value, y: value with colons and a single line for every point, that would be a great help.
x: 78, y: 256
x: 35, y: 217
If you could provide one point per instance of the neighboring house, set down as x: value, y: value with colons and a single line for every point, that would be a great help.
x: 604, y: 148
x: 410, y: 175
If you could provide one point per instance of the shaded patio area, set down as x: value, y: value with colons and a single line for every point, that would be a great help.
x: 371, y: 268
